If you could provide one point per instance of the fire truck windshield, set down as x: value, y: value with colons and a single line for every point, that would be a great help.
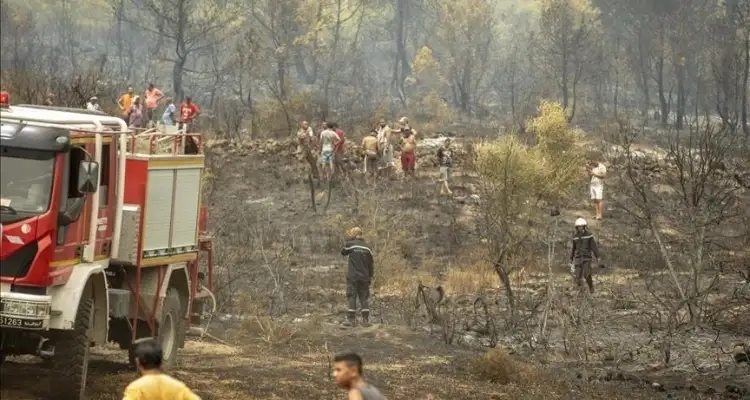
x: 25, y: 182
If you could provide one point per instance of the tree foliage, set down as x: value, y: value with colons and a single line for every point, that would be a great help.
x: 519, y: 181
x: 677, y: 60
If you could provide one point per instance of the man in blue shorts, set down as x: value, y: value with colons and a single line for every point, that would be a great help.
x: 328, y: 142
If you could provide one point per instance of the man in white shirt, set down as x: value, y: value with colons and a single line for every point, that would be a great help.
x: 93, y: 104
x: 597, y: 171
x: 386, y: 148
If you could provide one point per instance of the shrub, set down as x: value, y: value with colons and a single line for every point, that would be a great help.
x: 498, y: 367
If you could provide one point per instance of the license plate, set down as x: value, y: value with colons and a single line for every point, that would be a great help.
x: 10, y: 322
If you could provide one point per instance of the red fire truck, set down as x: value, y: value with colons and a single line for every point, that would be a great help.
x: 101, y: 242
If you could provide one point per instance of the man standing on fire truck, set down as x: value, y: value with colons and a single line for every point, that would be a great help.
x: 188, y: 112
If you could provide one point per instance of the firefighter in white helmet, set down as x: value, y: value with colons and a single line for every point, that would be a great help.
x: 585, y: 251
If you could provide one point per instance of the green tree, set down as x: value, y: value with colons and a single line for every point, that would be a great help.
x: 567, y: 32
x: 466, y: 32
x: 517, y: 183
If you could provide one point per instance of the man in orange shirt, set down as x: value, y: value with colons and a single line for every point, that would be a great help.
x: 153, y: 383
x: 125, y: 101
x: 152, y: 95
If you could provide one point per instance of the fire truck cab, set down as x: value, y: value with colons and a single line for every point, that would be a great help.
x: 103, y: 238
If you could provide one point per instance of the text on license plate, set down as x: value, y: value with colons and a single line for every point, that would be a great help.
x: 10, y: 322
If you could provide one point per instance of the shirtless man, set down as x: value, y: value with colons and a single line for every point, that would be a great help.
x: 305, y: 135
x: 408, y: 152
x: 305, y: 131
x: 370, y: 150
x: 347, y: 372
x: 328, y: 141
x: 404, y: 122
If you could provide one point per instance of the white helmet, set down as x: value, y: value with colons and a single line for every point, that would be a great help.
x: 581, y: 222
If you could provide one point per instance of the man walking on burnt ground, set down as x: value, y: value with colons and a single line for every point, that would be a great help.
x: 585, y: 251
x: 358, y: 277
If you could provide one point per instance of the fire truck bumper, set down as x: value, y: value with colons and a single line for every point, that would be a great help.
x: 24, y: 311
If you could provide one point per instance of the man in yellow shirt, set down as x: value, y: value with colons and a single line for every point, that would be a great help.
x: 153, y: 383
x: 125, y: 101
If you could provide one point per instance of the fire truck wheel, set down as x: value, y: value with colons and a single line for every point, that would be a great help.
x: 71, y: 360
x: 170, y: 324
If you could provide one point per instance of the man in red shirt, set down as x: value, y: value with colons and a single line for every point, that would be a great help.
x: 339, y: 150
x: 188, y: 112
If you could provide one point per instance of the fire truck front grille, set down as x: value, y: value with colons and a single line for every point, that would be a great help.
x: 19, y: 263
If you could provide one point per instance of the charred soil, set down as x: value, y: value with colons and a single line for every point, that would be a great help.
x: 281, y: 284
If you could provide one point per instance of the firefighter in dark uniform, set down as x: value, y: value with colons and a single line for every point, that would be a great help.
x: 358, y: 277
x: 585, y: 251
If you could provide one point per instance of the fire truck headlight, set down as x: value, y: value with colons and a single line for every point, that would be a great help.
x: 61, y: 140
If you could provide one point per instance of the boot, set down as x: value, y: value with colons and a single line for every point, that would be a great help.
x: 590, y: 282
x: 351, y: 319
x: 365, y: 318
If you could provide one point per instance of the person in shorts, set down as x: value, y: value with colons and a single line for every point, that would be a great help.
x: 328, y: 141
x: 445, y: 161
x: 408, y: 152
x: 597, y: 171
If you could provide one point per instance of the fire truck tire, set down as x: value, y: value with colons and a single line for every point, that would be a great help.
x: 170, y: 324
x: 71, y: 360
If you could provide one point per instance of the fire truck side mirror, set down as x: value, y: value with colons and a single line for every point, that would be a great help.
x: 73, y: 210
x: 88, y: 177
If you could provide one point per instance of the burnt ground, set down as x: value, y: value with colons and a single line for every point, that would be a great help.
x: 281, y: 289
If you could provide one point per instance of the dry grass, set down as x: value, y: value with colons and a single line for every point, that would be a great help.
x: 498, y: 367
x: 395, y: 274
x: 275, y: 331
x: 472, y: 279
